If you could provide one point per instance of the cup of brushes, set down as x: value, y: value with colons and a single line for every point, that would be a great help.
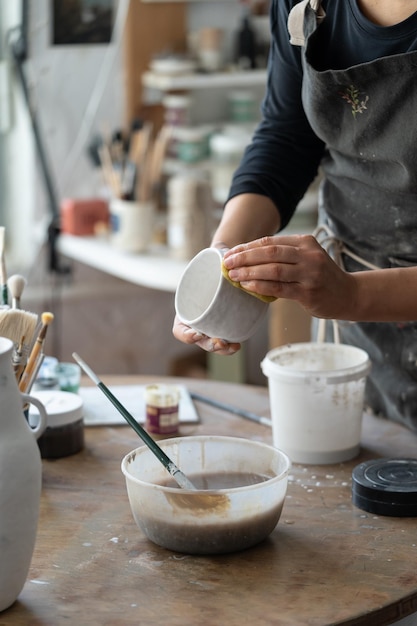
x: 134, y: 180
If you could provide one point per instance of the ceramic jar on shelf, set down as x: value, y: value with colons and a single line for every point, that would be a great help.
x: 189, y: 217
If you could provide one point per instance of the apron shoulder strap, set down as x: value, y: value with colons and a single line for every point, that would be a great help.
x: 296, y: 20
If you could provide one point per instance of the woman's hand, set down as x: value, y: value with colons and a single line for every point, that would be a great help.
x: 294, y: 267
x: 188, y: 335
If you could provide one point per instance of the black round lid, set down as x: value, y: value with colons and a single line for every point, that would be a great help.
x: 386, y: 487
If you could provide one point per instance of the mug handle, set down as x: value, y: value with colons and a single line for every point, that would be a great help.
x: 42, y: 422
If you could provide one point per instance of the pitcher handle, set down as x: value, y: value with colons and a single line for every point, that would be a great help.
x: 42, y: 422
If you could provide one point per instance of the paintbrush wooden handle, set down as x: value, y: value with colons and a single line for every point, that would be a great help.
x: 30, y: 365
x: 35, y: 371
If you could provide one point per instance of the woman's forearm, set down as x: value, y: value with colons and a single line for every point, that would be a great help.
x: 246, y: 217
x: 388, y: 295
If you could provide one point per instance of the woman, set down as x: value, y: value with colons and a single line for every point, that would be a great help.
x: 342, y: 96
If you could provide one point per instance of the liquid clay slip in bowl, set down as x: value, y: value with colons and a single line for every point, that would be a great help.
x: 240, y: 490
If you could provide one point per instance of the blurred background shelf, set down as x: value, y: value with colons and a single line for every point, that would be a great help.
x: 230, y: 80
x: 156, y: 269
x: 164, y: 1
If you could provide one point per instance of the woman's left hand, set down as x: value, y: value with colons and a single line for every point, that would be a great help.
x: 188, y: 335
x: 295, y: 267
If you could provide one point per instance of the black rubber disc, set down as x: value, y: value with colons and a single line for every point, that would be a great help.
x: 386, y: 487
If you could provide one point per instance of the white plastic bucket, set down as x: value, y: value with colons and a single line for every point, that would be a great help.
x: 316, y: 393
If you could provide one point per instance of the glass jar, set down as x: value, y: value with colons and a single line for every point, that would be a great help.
x: 242, y: 106
x: 162, y: 404
x: 226, y: 153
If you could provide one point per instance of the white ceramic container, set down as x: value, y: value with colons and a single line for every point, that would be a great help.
x: 132, y: 225
x: 206, y: 301
x: 20, y: 480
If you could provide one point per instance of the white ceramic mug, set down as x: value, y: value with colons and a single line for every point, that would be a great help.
x: 209, y: 303
x: 132, y: 224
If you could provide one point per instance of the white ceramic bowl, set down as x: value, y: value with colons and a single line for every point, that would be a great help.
x: 207, y: 521
x: 209, y: 303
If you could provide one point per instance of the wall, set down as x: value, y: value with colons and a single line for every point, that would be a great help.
x: 74, y: 91
x: 16, y: 152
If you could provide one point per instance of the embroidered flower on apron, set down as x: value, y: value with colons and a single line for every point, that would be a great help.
x: 352, y: 95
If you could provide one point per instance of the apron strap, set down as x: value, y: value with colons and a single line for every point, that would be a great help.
x: 336, y: 249
x: 296, y: 20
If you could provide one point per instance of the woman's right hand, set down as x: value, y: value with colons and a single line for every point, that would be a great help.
x: 188, y: 335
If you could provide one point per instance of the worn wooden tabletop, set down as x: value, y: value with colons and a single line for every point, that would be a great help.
x: 327, y: 562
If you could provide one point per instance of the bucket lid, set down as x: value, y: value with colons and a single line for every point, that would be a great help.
x: 386, y: 487
x: 314, y: 360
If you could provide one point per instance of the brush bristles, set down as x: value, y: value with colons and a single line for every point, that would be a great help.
x: 47, y: 318
x: 16, y: 284
x: 16, y: 323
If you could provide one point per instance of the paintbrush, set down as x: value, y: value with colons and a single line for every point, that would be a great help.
x: 35, y: 371
x: 36, y: 353
x: 111, y: 177
x: 143, y: 163
x: 3, y: 273
x: 128, y: 181
x: 169, y: 465
x: 158, y: 155
x: 16, y: 284
x: 231, y: 409
x: 19, y: 359
x: 16, y: 324
x: 145, y: 135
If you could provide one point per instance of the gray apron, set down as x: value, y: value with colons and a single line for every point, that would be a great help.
x: 367, y: 116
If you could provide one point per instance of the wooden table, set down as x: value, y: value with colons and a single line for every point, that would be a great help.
x: 327, y: 562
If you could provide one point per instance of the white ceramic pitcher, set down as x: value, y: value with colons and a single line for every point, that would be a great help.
x: 20, y: 480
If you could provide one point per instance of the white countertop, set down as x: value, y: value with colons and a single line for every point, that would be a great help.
x: 155, y: 269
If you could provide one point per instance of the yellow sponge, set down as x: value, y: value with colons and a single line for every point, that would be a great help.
x: 225, y: 273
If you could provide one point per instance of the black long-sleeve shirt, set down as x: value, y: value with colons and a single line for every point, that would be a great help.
x: 285, y: 153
